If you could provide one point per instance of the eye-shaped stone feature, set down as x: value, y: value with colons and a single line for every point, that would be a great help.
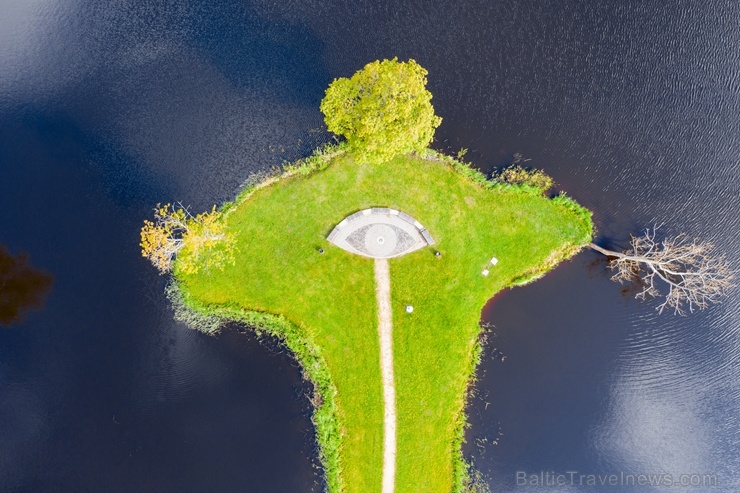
x: 380, y: 233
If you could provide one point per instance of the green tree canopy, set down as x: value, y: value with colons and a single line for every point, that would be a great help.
x: 383, y: 110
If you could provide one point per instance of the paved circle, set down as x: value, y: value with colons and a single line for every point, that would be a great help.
x: 380, y: 240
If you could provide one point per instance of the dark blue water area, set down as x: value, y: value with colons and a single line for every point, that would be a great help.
x: 102, y: 390
x: 107, y: 108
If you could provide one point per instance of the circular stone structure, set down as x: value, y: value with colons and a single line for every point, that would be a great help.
x: 380, y: 240
x: 380, y: 232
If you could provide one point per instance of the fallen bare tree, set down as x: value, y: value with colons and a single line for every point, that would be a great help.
x: 693, y: 274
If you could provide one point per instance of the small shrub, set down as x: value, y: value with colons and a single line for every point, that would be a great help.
x: 518, y: 175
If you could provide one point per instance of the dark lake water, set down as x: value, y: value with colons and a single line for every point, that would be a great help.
x: 108, y: 107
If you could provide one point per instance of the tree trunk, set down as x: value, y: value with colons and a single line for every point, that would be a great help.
x: 608, y: 253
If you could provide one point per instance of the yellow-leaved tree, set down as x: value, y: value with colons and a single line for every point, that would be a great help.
x: 198, y: 242
x: 383, y: 110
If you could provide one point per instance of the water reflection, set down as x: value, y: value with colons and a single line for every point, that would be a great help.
x: 22, y: 287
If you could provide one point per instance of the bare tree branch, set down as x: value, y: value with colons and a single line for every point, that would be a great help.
x: 694, y: 276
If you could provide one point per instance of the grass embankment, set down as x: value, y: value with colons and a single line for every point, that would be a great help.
x: 328, y: 300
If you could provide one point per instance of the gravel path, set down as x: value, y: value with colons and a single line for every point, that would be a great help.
x: 385, y: 332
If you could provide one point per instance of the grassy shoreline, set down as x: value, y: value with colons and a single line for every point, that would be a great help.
x: 323, y: 306
x: 314, y: 368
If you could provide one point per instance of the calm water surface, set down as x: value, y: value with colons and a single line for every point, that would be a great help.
x: 107, y: 108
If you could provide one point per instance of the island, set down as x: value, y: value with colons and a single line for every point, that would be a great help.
x: 373, y: 269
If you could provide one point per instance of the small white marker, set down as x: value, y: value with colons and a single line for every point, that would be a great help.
x: 485, y: 272
x: 494, y: 261
x: 409, y: 308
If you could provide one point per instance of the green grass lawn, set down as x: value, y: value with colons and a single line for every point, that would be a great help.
x: 330, y: 298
